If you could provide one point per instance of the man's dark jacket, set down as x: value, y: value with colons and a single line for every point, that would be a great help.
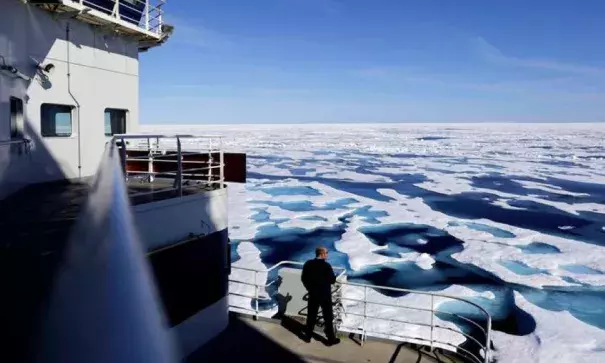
x: 318, y: 276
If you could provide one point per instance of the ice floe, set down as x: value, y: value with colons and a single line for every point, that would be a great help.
x: 525, y: 202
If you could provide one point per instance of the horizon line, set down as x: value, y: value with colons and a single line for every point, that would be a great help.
x: 382, y: 123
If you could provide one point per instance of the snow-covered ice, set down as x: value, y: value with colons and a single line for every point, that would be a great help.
x: 511, y: 216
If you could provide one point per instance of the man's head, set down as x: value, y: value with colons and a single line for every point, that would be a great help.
x: 321, y: 252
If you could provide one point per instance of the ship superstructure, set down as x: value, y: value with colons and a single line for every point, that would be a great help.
x: 69, y: 88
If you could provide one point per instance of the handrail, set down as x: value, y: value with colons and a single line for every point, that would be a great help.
x: 158, y: 156
x: 12, y: 142
x: 150, y: 16
x: 432, y: 341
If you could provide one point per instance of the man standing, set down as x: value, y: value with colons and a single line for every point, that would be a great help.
x: 318, y: 277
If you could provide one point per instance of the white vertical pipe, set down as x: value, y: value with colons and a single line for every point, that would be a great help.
x: 365, y: 313
x: 147, y: 15
x: 488, y: 339
x: 222, y: 163
x: 256, y: 294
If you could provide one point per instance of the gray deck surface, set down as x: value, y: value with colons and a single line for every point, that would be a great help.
x: 246, y: 340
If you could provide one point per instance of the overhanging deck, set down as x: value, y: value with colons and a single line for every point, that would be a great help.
x: 141, y: 19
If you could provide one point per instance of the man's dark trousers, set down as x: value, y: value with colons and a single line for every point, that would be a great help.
x: 326, y: 307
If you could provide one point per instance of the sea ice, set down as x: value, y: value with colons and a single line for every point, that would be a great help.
x: 403, y: 173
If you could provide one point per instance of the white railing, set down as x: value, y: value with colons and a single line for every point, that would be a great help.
x: 21, y: 146
x: 14, y: 142
x: 159, y: 152
x: 257, y: 285
x: 360, y: 308
x: 145, y: 14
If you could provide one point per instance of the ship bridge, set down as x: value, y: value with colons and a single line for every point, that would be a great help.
x: 141, y: 19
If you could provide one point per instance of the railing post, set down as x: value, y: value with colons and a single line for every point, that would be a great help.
x: 365, y: 313
x: 222, y: 162
x: 209, y: 161
x: 160, y: 11
x: 179, y: 164
x: 432, y: 319
x: 147, y: 15
x: 256, y: 295
x: 116, y: 9
x: 150, y: 161
x: 488, y: 342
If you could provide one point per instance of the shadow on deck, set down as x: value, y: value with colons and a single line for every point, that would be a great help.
x: 246, y: 340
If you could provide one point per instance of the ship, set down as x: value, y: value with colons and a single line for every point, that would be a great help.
x: 115, y: 244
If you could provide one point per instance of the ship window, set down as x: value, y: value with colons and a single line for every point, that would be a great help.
x: 16, y: 120
x: 115, y: 121
x: 56, y: 120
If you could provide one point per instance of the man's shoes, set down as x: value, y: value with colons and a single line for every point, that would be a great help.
x: 333, y: 341
x: 306, y: 338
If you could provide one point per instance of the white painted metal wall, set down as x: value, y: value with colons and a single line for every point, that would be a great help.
x: 202, y: 327
x: 168, y: 221
x: 104, y: 74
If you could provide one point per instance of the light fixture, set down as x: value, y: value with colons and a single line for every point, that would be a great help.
x: 49, y: 68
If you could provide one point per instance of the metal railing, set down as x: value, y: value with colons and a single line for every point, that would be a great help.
x: 144, y: 14
x: 12, y: 142
x: 21, y: 146
x: 484, y: 325
x: 257, y: 285
x: 193, y: 159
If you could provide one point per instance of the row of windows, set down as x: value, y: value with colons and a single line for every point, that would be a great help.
x: 56, y: 120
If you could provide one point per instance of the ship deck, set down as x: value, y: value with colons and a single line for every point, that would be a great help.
x: 247, y: 340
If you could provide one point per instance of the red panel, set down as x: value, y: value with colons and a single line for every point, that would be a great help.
x: 234, y: 171
x: 235, y: 167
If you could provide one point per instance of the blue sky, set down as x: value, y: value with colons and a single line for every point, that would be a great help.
x: 299, y: 61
